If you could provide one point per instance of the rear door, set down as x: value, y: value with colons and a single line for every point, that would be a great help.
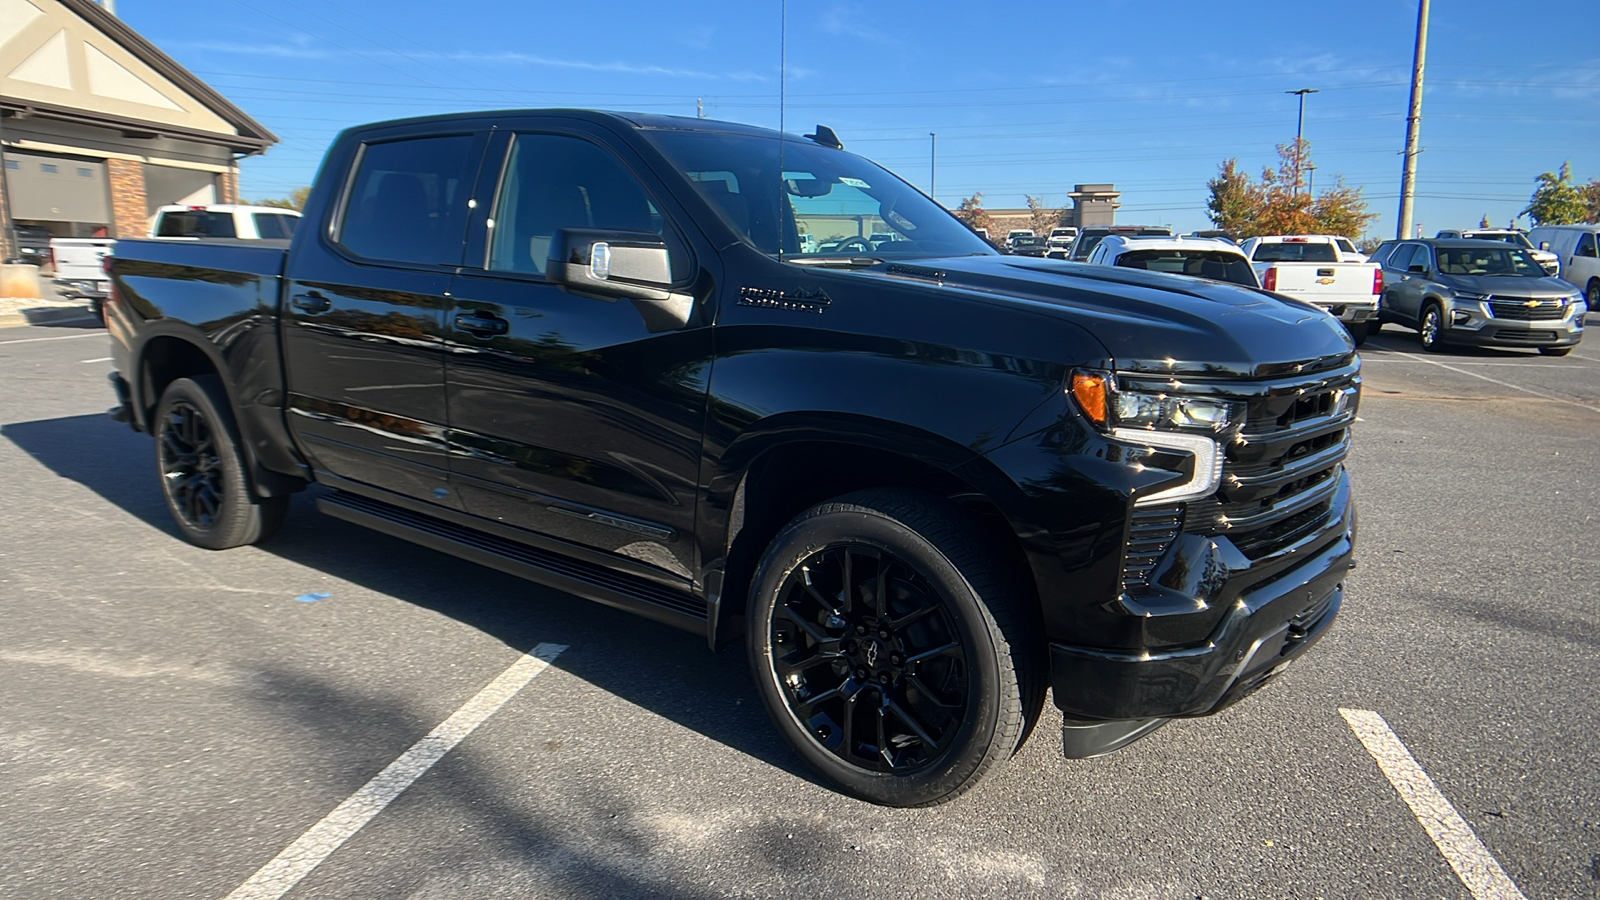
x: 363, y: 321
x: 571, y: 416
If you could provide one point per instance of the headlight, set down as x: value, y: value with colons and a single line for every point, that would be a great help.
x: 1471, y: 297
x: 1107, y: 407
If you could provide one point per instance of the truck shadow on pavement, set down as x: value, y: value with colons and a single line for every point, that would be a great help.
x: 668, y: 672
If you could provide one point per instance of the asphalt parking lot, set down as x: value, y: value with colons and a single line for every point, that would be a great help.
x: 174, y: 720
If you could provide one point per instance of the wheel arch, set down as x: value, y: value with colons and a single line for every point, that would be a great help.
x: 783, y: 478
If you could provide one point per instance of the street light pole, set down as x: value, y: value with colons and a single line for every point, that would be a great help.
x: 933, y: 166
x: 1299, y: 128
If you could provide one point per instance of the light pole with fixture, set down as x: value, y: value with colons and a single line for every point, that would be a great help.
x: 1299, y: 128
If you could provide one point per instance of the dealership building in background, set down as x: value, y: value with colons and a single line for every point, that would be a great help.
x: 98, y: 128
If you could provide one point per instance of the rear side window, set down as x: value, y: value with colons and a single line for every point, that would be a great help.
x: 408, y: 200
x: 273, y: 226
x: 195, y: 223
x: 1296, y: 252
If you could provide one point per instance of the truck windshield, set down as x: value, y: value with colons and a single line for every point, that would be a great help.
x: 1211, y: 264
x: 1296, y: 251
x: 827, y: 203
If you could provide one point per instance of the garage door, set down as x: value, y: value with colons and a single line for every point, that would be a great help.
x: 57, y: 189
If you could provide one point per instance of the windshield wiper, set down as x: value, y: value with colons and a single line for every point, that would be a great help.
x: 836, y: 262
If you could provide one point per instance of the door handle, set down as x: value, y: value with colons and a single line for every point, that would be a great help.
x: 313, y: 303
x: 481, y: 324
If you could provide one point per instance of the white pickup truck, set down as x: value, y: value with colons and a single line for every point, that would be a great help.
x: 1308, y: 267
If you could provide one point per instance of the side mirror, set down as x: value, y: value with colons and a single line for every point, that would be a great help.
x: 1418, y: 269
x: 1544, y: 245
x: 632, y: 265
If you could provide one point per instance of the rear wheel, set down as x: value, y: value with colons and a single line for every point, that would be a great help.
x: 203, y: 470
x: 890, y: 647
x: 1359, y: 332
x: 1592, y: 295
x: 1430, y: 330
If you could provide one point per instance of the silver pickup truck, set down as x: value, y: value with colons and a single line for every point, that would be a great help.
x: 1307, y: 267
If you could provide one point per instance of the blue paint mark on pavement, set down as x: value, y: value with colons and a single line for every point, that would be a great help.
x: 312, y: 598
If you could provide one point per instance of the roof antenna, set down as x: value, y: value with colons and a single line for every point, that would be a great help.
x: 826, y: 137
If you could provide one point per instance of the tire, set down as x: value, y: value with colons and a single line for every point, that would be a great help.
x: 1359, y: 333
x: 202, y: 469
x: 1430, y: 328
x: 1374, y: 326
x: 907, y: 688
x: 1554, y: 351
x: 1592, y: 295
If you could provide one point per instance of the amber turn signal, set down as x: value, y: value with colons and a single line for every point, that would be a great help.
x: 1091, y: 392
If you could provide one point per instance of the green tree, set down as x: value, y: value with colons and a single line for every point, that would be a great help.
x: 1591, y: 201
x: 295, y: 201
x: 1556, y: 200
x: 1276, y: 205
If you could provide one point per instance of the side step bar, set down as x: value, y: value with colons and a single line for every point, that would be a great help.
x: 585, y: 579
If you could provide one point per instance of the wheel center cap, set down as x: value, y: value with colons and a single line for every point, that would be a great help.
x: 870, y: 653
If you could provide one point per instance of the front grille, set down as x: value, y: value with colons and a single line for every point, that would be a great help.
x: 1151, y: 531
x: 1527, y: 309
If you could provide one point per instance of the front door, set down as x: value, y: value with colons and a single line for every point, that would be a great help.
x: 363, y: 325
x: 569, y: 416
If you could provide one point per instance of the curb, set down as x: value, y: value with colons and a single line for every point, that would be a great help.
x: 41, y: 315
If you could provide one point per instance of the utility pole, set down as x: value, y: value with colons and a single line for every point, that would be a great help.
x: 1299, y: 128
x: 933, y: 166
x: 1408, y: 174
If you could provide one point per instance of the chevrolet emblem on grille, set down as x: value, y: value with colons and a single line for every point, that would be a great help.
x: 1532, y: 304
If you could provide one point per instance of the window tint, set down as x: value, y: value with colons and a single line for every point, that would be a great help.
x: 1296, y: 252
x: 409, y: 199
x: 272, y: 225
x: 553, y: 182
x: 1215, y: 265
x: 196, y: 223
x: 1586, y: 246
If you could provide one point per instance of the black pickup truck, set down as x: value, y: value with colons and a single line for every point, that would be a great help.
x: 922, y: 481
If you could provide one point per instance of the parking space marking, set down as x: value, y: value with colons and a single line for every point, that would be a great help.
x: 279, y: 876
x: 63, y: 337
x: 1367, y: 360
x: 1472, y: 862
x: 1507, y: 384
x: 98, y: 359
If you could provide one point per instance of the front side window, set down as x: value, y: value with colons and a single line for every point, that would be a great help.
x: 1586, y: 246
x: 553, y: 182
x: 848, y: 205
x: 408, y: 200
x: 1478, y: 261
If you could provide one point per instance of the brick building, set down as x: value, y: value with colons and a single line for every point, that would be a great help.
x: 98, y: 127
x: 1092, y: 204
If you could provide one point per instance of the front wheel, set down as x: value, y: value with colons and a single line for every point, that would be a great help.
x: 1430, y: 330
x: 891, y: 647
x: 203, y: 470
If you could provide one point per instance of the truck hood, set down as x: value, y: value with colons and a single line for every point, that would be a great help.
x: 1509, y: 285
x: 1150, y: 321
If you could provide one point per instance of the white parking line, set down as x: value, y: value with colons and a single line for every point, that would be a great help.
x: 98, y: 359
x: 64, y: 337
x: 1474, y: 864
x: 279, y: 876
x: 1507, y: 384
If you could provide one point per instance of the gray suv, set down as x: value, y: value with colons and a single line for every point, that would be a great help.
x: 1478, y: 293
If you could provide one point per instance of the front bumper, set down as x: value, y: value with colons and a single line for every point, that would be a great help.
x: 1266, y: 626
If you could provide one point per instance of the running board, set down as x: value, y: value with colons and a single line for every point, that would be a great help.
x: 584, y: 579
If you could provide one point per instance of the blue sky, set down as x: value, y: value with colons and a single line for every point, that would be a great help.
x: 1024, y: 99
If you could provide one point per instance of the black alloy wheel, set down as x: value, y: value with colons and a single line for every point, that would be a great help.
x: 869, y: 659
x: 894, y: 646
x: 190, y: 467
x: 202, y: 469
